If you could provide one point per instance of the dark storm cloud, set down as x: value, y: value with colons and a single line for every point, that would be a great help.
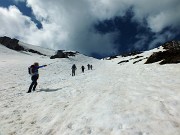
x: 85, y: 25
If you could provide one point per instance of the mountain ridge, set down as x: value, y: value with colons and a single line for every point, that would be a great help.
x: 169, y: 55
x: 17, y: 45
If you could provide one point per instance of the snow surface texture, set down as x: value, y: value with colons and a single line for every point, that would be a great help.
x: 111, y: 99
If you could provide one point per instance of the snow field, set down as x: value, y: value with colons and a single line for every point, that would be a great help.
x: 112, y: 99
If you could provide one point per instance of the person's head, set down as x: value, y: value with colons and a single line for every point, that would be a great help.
x: 36, y: 64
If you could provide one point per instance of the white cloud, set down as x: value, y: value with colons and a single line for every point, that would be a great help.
x: 14, y: 24
x: 68, y: 24
x: 74, y: 22
x: 164, y: 19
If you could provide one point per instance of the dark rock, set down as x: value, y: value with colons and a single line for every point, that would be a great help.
x: 57, y: 56
x: 170, y: 55
x: 123, y: 61
x: 155, y: 57
x: 172, y: 45
x: 131, y: 53
x: 33, y: 51
x: 111, y: 57
x: 60, y: 53
x: 136, y: 57
x: 71, y: 53
x: 63, y: 54
x: 138, y: 61
x: 11, y: 43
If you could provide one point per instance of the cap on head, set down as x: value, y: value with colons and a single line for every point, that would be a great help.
x: 36, y: 64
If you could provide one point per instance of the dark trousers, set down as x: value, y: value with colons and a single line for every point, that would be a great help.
x: 73, y: 72
x: 34, y: 83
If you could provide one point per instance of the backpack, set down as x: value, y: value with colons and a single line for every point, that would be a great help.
x: 31, y: 69
x: 74, y: 67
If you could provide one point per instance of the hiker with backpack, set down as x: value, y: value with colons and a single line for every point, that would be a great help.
x: 33, y: 71
x: 83, y: 68
x: 73, y: 69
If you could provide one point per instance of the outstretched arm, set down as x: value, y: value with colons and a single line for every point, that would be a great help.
x: 42, y: 66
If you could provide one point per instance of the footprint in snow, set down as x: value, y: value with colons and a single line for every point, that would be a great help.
x: 70, y: 125
x: 33, y: 122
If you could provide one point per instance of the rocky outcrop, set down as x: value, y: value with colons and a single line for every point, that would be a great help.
x: 111, y: 57
x: 124, y: 61
x: 59, y: 54
x: 170, y: 55
x: 33, y: 51
x: 63, y: 54
x: 11, y: 43
x: 131, y: 53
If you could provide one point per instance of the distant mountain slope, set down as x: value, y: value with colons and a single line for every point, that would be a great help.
x: 168, y: 53
x: 17, y: 45
x: 44, y: 51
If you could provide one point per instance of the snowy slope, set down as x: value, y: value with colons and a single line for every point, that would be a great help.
x: 140, y: 58
x: 45, y: 51
x: 112, y: 99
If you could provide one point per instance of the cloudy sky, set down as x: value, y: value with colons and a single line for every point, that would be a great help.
x: 96, y: 28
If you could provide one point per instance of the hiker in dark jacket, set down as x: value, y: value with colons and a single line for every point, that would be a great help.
x: 91, y: 67
x: 88, y: 66
x: 73, y: 69
x: 83, y: 68
x: 34, y: 75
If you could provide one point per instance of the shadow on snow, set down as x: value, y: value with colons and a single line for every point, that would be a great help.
x: 49, y: 90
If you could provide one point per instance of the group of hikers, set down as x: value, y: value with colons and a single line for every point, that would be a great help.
x: 82, y: 68
x: 33, y: 71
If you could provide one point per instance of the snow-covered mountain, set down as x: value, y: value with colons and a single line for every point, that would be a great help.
x: 17, y: 45
x: 129, y: 98
x: 168, y: 53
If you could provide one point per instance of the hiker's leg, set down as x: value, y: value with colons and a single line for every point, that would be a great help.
x: 35, y: 82
x: 30, y: 87
x: 73, y: 73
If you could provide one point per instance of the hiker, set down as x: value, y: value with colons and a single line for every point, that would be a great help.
x: 88, y: 67
x: 73, y: 69
x: 91, y: 67
x: 83, y: 68
x: 33, y: 71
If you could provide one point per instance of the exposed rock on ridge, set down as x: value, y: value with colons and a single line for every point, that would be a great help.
x: 170, y: 55
x: 11, y: 43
